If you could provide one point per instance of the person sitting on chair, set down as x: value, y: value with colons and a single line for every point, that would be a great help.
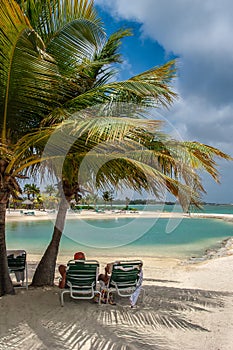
x: 104, y: 278
x: 62, y: 269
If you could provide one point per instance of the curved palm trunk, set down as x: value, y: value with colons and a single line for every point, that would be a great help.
x: 45, y: 271
x: 6, y: 286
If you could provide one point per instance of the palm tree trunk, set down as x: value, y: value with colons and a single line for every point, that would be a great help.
x: 6, y: 286
x: 45, y: 271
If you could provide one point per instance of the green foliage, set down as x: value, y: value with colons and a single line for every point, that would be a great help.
x: 108, y: 196
x: 31, y: 189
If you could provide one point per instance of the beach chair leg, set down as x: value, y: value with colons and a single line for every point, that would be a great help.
x: 62, y: 298
x: 26, y: 268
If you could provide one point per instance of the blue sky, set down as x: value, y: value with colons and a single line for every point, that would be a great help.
x: 199, y: 34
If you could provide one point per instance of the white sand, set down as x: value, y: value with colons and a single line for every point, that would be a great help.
x: 15, y: 215
x: 187, y: 306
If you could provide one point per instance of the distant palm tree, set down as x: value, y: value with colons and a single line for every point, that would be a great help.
x: 31, y: 189
x: 50, y: 189
x: 108, y: 197
x: 27, y: 190
x: 127, y: 201
x: 34, y: 190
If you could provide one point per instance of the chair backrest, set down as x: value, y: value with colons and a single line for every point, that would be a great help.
x: 125, y: 273
x: 16, y: 260
x: 82, y: 272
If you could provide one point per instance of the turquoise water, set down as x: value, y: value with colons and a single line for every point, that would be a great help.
x: 136, y: 236
x: 208, y: 208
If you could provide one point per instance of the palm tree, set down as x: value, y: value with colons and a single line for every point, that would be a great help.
x: 27, y: 190
x: 159, y: 163
x: 34, y: 190
x: 50, y: 189
x: 43, y: 85
x: 108, y: 196
x: 31, y: 189
x: 127, y: 201
x: 85, y: 65
x: 30, y: 89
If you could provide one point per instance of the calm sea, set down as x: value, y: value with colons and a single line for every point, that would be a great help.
x: 127, y: 236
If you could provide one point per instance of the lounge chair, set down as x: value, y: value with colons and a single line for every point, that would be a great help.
x: 126, y: 278
x: 81, y: 279
x: 17, y: 264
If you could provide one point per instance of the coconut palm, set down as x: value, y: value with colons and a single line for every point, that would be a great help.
x: 159, y: 163
x: 44, y: 85
x: 84, y: 64
x: 30, y: 89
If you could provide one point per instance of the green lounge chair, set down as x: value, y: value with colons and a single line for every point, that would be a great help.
x: 81, y: 279
x: 125, y: 278
x: 17, y: 264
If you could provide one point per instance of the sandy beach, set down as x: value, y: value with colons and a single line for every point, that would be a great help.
x: 16, y: 215
x: 188, y: 305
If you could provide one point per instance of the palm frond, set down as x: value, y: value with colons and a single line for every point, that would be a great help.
x: 203, y: 157
x: 100, y: 70
x: 150, y: 88
x: 80, y: 41
x: 81, y: 134
x: 48, y: 17
x: 126, y: 152
x: 9, y: 34
x: 29, y: 76
x: 109, y: 53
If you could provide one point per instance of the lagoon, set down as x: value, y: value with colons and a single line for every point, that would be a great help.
x: 161, y: 237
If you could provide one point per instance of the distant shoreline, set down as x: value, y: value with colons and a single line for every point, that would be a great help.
x: 88, y: 214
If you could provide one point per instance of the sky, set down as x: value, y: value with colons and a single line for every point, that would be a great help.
x: 199, y: 35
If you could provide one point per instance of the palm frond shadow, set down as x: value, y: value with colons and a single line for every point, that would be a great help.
x: 173, y: 299
x: 126, y: 328
x: 114, y: 337
x: 159, y: 280
x: 82, y: 325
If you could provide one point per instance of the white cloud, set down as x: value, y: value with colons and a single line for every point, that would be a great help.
x: 200, y: 33
x: 183, y: 26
